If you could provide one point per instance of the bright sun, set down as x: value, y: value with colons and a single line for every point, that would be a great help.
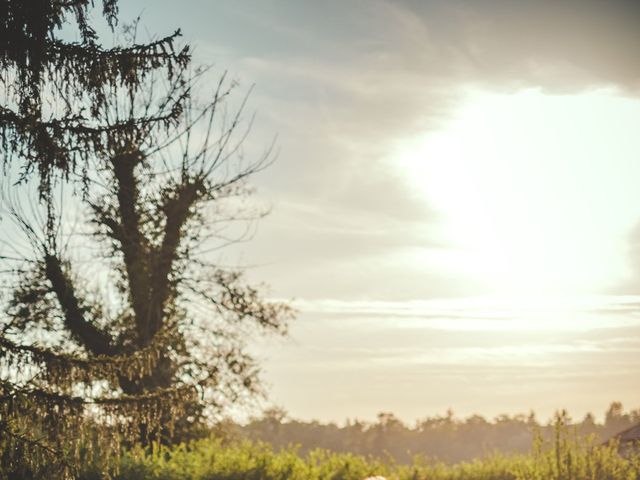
x: 537, y: 193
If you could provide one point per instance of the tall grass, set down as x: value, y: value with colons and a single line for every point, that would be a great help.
x: 566, y: 457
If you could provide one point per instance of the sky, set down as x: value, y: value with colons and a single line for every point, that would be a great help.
x: 454, y: 205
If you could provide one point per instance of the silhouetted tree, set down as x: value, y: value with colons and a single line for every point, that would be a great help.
x: 154, y: 334
x: 445, y: 438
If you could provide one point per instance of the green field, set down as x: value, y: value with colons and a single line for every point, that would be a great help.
x: 211, y: 459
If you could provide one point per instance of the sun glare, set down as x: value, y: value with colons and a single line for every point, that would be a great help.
x: 536, y: 192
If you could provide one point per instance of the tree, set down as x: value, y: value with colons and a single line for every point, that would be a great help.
x: 155, y: 335
x: 39, y: 67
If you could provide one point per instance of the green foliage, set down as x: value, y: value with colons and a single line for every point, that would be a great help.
x: 566, y: 457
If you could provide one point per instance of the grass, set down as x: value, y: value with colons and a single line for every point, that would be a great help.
x: 566, y: 457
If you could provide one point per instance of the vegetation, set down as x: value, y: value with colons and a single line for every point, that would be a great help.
x: 565, y: 457
x: 446, y: 438
x: 118, y: 333
x: 117, y: 328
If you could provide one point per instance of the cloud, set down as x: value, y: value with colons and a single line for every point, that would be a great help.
x: 558, y: 45
x: 345, y: 83
x: 462, y: 332
x: 415, y: 369
x: 594, y: 311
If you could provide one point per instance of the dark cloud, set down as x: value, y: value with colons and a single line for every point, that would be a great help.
x: 499, y: 39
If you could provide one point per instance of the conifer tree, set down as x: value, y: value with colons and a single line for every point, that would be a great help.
x: 153, y: 337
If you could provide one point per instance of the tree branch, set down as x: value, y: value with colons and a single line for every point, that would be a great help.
x: 83, y: 331
x: 134, y: 244
x: 177, y: 209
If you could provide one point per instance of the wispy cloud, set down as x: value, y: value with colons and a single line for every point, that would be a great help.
x: 492, y: 313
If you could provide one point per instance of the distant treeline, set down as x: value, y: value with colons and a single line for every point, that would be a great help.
x: 445, y: 438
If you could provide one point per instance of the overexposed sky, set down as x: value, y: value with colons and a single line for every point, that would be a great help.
x: 455, y: 201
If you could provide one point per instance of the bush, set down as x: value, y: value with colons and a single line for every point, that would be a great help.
x: 566, y: 457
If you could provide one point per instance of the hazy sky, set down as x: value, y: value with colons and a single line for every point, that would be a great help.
x: 455, y: 204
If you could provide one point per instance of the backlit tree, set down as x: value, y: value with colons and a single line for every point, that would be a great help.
x: 117, y: 325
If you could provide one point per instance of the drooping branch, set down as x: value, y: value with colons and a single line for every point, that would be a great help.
x: 49, y: 399
x: 23, y: 449
x: 145, y: 414
x: 120, y: 64
x: 67, y: 369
